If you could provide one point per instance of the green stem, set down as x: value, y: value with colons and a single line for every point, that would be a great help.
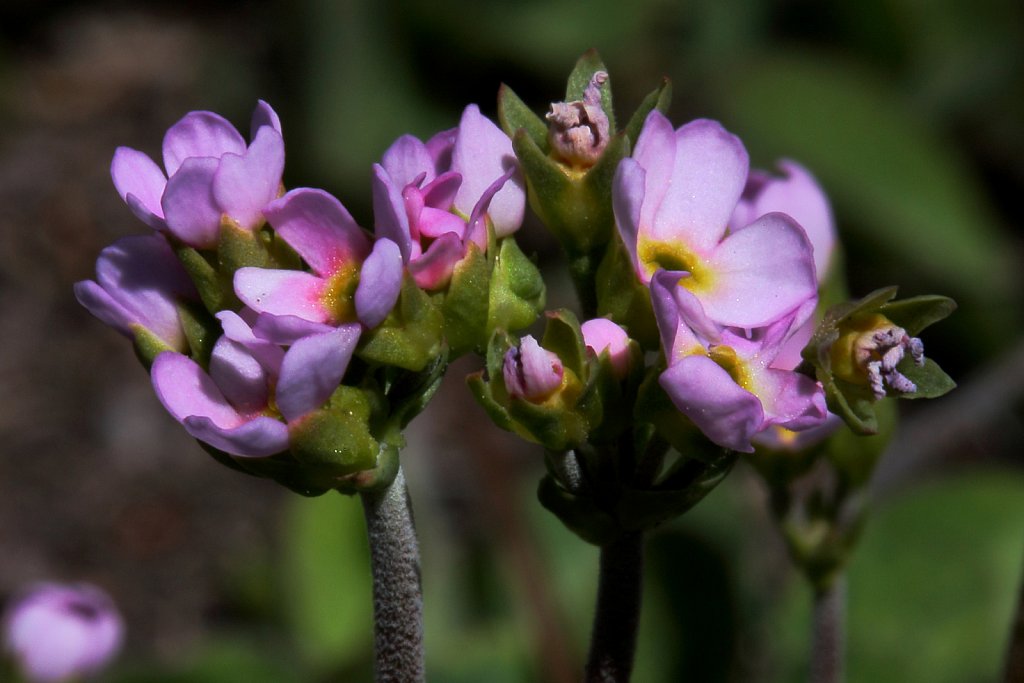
x: 828, y: 646
x: 617, y: 615
x: 397, y: 593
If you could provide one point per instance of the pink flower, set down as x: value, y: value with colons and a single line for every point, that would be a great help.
x: 139, y: 284
x: 673, y: 202
x: 601, y: 334
x: 723, y: 380
x: 62, y: 633
x: 432, y: 199
x: 254, y: 388
x: 352, y: 279
x: 211, y: 173
x: 531, y: 372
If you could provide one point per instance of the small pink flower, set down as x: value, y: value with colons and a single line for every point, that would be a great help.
x: 62, y: 633
x: 601, y: 334
x: 531, y: 372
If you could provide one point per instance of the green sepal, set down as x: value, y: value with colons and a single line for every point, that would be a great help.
x: 517, y: 294
x: 930, y: 379
x: 557, y: 426
x: 239, y: 247
x: 466, y: 303
x: 918, y: 312
x: 580, y: 514
x: 336, y: 439
x: 215, y: 290
x: 411, y: 336
x: 562, y: 336
x: 281, y: 467
x: 201, y: 329
x: 147, y: 345
x: 623, y: 298
x: 586, y: 66
x: 657, y: 99
x: 514, y: 114
x: 481, y: 391
x: 853, y: 403
x: 574, y: 205
x: 640, y: 510
x: 410, y: 393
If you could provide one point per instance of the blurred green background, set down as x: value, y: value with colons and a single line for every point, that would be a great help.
x: 909, y: 112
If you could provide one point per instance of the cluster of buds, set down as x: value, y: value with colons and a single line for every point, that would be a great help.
x: 283, y: 336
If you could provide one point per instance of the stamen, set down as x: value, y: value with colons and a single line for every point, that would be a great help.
x: 879, y: 351
x: 579, y: 130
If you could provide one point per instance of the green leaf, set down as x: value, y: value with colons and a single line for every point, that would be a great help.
x: 336, y: 439
x: 580, y: 514
x: 517, y: 291
x: 465, y: 305
x: 917, y: 313
x: 563, y: 337
x: 514, y: 114
x: 657, y: 99
x: 411, y: 336
x: 214, y: 289
x: 202, y: 331
x: 930, y: 379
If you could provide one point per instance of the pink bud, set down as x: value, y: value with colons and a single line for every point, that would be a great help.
x: 531, y: 372
x: 601, y: 334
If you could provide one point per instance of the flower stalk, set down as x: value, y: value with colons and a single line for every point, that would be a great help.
x: 617, y: 614
x: 829, y: 632
x: 397, y: 590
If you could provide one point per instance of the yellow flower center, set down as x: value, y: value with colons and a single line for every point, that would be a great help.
x: 727, y: 359
x: 339, y: 294
x: 655, y: 255
x: 855, y: 347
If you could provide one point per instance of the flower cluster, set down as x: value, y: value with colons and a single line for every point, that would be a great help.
x: 253, y: 304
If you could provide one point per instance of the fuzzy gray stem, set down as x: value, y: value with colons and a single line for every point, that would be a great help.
x: 829, y: 643
x: 397, y: 594
x: 617, y: 615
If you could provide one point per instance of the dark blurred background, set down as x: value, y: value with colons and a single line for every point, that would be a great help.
x: 910, y: 113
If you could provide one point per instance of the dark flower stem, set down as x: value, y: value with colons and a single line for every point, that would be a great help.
x: 828, y: 646
x: 397, y: 594
x: 617, y: 615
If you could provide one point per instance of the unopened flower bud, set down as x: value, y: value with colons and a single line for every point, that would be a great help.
x: 579, y: 130
x: 61, y: 633
x: 601, y: 334
x: 868, y: 351
x: 531, y: 372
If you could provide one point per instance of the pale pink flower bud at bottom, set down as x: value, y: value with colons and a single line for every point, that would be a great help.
x: 601, y: 334
x: 531, y: 372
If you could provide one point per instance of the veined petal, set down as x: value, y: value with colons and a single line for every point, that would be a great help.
x: 440, y: 192
x: 682, y: 323
x: 240, y: 377
x: 191, y: 213
x: 380, y: 281
x: 406, y: 159
x: 264, y: 115
x: 244, y: 184
x: 256, y: 438
x: 728, y: 414
x: 708, y: 177
x: 760, y: 273
x: 312, y: 369
x: 134, y: 173
x: 185, y: 390
x: 390, y: 219
x: 282, y: 292
x: 267, y: 353
x: 319, y: 228
x: 482, y: 154
x: 436, y: 222
x: 791, y: 400
x: 433, y: 269
x: 200, y: 134
x: 477, y: 226
x: 440, y: 148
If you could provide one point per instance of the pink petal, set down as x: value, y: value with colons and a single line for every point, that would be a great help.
x: 185, y: 390
x: 200, y: 134
x: 192, y: 214
x: 727, y: 414
x: 482, y: 154
x: 256, y: 438
x: 406, y: 159
x: 791, y: 400
x: 440, y: 148
x: 313, y: 368
x: 380, y: 281
x: 440, y: 192
x: 760, y: 273
x: 286, y: 329
x: 135, y: 174
x: 319, y: 228
x: 477, y: 227
x: 627, y: 203
x: 268, y: 354
x: 264, y: 115
x: 436, y: 222
x: 601, y: 334
x: 245, y: 184
x: 282, y: 292
x: 681, y: 320
x: 433, y: 269
x: 655, y: 153
x: 707, y: 179
x: 239, y: 376
x: 391, y: 221
x: 531, y: 372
